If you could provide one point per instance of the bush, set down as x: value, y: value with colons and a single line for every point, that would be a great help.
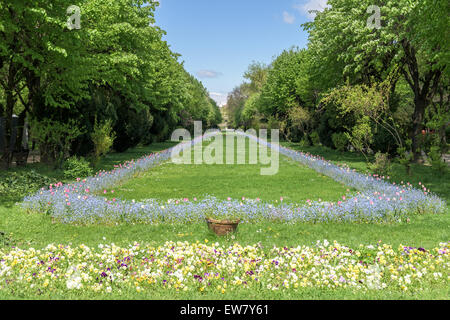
x: 304, y: 142
x: 55, y: 139
x: 103, y: 139
x: 15, y: 185
x: 435, y: 156
x: 382, y: 164
x: 315, y: 139
x: 405, y: 157
x: 340, y: 141
x: 77, y: 168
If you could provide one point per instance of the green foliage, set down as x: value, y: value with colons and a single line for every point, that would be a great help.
x: 281, y: 90
x: 300, y: 117
x: 304, y: 142
x: 340, y: 141
x: 382, y: 165
x: 103, y: 139
x: 124, y: 70
x: 250, y: 113
x: 405, y: 156
x: 16, y: 185
x: 315, y: 138
x: 435, y: 156
x: 345, y: 49
x: 55, y: 138
x: 75, y: 167
x: 257, y: 74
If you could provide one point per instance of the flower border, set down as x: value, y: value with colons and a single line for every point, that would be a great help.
x: 376, y: 201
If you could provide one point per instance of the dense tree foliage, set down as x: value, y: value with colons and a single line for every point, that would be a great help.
x: 374, y: 89
x: 115, y: 68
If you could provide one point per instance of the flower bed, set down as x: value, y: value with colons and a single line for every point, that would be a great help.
x: 376, y: 201
x: 186, y: 266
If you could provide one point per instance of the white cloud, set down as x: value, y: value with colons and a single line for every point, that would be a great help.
x: 288, y: 18
x: 208, y: 74
x: 311, y: 5
x: 220, y: 98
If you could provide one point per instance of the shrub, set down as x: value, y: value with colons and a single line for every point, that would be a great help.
x: 103, y: 139
x: 405, y: 157
x: 15, y: 185
x: 340, y: 141
x: 382, y: 164
x: 436, y: 159
x: 315, y: 139
x: 304, y: 142
x: 76, y: 168
x: 55, y: 138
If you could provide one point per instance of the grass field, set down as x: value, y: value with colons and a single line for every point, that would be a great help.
x: 294, y: 183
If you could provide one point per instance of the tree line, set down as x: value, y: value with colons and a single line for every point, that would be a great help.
x: 112, y: 82
x: 372, y: 90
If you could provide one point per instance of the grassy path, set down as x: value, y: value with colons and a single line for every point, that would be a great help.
x: 293, y: 182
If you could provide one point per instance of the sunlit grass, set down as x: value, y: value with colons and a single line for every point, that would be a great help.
x: 293, y: 183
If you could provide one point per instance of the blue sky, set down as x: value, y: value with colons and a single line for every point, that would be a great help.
x: 219, y: 39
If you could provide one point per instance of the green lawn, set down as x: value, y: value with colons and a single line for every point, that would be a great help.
x: 294, y: 183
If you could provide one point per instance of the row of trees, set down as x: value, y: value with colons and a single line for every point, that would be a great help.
x: 70, y: 85
x: 373, y: 89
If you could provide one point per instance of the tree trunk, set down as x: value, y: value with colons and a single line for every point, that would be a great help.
x: 424, y: 87
x: 8, y: 139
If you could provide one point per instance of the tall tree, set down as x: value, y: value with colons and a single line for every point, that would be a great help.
x: 346, y: 48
